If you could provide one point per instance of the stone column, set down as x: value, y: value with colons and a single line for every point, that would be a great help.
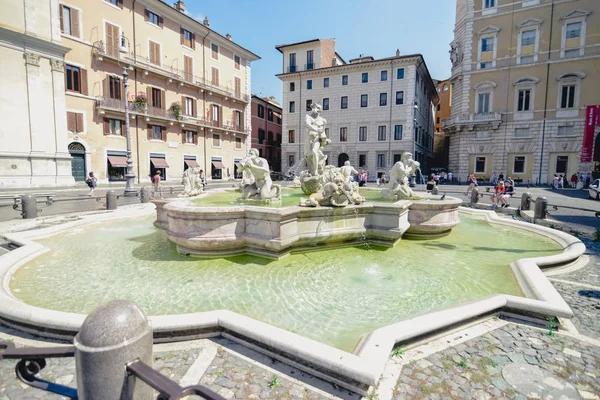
x: 62, y: 156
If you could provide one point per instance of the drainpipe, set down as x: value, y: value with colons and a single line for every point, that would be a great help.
x: 204, y: 102
x: 135, y: 83
x: 546, y: 94
x: 391, y: 108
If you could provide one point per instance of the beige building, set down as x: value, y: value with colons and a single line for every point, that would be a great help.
x: 523, y: 74
x: 442, y: 112
x: 188, y: 93
x: 33, y: 134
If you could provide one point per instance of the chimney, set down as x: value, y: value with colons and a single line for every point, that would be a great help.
x: 397, y: 52
x: 228, y: 36
x: 179, y: 6
x: 206, y: 22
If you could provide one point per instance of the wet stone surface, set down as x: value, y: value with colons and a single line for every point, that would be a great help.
x: 474, y: 369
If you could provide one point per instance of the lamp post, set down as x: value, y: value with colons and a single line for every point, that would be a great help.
x: 415, y: 108
x: 129, y: 175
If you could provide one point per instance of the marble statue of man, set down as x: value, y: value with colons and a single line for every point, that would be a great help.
x: 316, y: 140
x: 348, y: 170
x: 263, y: 186
x: 399, y: 175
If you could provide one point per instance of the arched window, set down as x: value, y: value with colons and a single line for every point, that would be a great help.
x: 76, y: 147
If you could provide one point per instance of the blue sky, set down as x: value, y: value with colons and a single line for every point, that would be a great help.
x: 369, y: 27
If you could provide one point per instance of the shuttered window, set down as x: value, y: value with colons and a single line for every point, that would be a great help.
x: 237, y: 62
x: 114, y: 87
x: 215, y: 76
x: 154, y: 49
x: 69, y: 21
x: 75, y: 79
x: 153, y: 18
x: 238, y: 87
x: 112, y: 40
x: 214, y: 48
x: 187, y: 38
x: 75, y: 122
x: 157, y: 98
x: 188, y: 68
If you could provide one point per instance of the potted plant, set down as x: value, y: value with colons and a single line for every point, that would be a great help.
x: 176, y: 110
x: 140, y: 102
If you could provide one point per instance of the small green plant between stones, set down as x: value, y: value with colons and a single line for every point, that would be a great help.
x: 552, y: 325
x: 463, y: 363
x: 398, y: 351
x: 274, y: 382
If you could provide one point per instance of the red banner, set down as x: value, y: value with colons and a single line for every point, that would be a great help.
x: 588, y: 134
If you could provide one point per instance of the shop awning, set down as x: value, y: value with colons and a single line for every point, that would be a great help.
x: 218, y: 164
x: 192, y: 163
x: 159, y: 162
x: 117, y: 161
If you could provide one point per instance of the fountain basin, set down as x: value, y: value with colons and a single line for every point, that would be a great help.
x: 430, y: 217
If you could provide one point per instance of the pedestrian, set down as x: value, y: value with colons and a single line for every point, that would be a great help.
x: 509, y: 191
x: 555, y: 182
x: 156, y: 185
x: 450, y: 176
x: 472, y: 184
x: 565, y: 181
x: 560, y: 182
x: 574, y: 181
x: 494, y: 179
x: 203, y: 179
x: 91, y: 182
x: 498, y: 192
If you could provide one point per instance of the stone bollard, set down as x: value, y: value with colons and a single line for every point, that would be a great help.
x: 145, y: 194
x: 111, y: 200
x: 474, y: 196
x: 28, y: 206
x: 112, y: 336
x: 541, y: 205
x: 526, y: 201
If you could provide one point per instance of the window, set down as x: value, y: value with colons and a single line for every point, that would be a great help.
x: 291, y: 136
x: 215, y: 76
x: 483, y: 103
x: 187, y: 38
x: 382, y: 99
x: 188, y: 106
x: 214, y: 51
x: 567, y: 97
x: 292, y: 106
x: 362, y: 160
x: 114, y: 87
x: 278, y: 120
x: 216, y: 140
x: 344, y: 102
x: 482, y: 135
x: 400, y: 73
x: 573, y: 30
x: 489, y: 3
x: 189, y: 137
x: 439, y: 107
x: 485, y: 65
x: 157, y: 132
x: 561, y: 164
x: 69, y: 21
x: 528, y: 59
x: 261, y: 135
x: 519, y: 165
x: 381, y: 133
x: 309, y: 60
x: 270, y: 115
x: 292, y: 66
x: 397, y: 132
x: 343, y: 134
x: 237, y: 62
x: 362, y: 134
x: 326, y: 103
x: 290, y: 160
x: 261, y: 111
x: 152, y: 17
x: 154, y: 52
x: 380, y: 160
x: 399, y: 98
x: 309, y: 84
x: 383, y: 75
x: 365, y: 77
x: 156, y: 100
x: 437, y: 120
x: 216, y: 114
x: 344, y: 80
x: 364, y: 100
x: 479, y: 165
x: 292, y: 86
x: 75, y: 122
x: 308, y: 104
x: 73, y: 78
x: 113, y: 2
x: 527, y: 38
x: 238, y: 143
x: 565, y: 130
x: 325, y: 82
x: 523, y: 101
x: 521, y: 132
x: 487, y: 44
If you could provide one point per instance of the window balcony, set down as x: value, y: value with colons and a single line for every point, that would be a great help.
x: 457, y: 122
x: 291, y: 68
x: 309, y: 66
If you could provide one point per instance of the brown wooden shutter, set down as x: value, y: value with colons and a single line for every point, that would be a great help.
x: 163, y: 101
x: 193, y: 40
x: 79, y: 122
x: 84, y: 83
x: 71, y: 121
x: 181, y: 35
x: 152, y: 53
x: 74, y: 22
x: 238, y: 86
x: 183, y: 106
x: 149, y: 131
x: 196, y: 141
x: 161, y: 21
x: 106, y: 87
x: 146, y: 15
x: 194, y: 108
x: 62, y: 24
x: 209, y: 112
x: 149, y: 96
x: 106, y: 124
x: 233, y: 121
x: 163, y: 133
x: 183, y: 135
x: 120, y: 4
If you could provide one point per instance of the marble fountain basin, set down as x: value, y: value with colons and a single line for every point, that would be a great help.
x: 217, y: 225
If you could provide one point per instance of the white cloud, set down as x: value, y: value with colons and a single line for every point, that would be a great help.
x: 197, y: 16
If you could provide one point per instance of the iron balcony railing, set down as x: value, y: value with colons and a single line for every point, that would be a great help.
x: 169, y: 71
x: 291, y: 68
x: 309, y: 66
x: 480, y: 118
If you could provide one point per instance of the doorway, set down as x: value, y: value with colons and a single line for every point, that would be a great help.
x: 342, y: 158
x: 77, y: 152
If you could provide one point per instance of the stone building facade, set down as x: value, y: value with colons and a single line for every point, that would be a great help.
x: 33, y: 135
x: 375, y: 109
x: 188, y: 94
x: 523, y: 74
x: 266, y: 130
x: 442, y: 112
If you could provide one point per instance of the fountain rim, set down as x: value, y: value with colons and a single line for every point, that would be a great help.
x: 350, y: 370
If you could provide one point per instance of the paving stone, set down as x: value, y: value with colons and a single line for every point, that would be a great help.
x: 573, y: 353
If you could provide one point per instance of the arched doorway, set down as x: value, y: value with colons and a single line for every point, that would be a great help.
x: 77, y: 152
x: 342, y: 158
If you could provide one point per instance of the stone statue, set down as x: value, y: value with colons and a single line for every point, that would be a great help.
x: 456, y: 55
x: 398, y: 187
x: 192, y: 184
x: 336, y: 191
x: 257, y: 171
x: 316, y: 140
x: 348, y: 170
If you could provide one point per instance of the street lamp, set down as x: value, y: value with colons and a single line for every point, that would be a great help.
x: 415, y: 108
x: 129, y: 176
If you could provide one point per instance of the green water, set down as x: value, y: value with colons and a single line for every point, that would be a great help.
x: 333, y: 296
x: 289, y: 197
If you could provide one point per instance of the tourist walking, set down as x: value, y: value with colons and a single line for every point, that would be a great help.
x: 91, y: 181
x: 472, y: 184
x: 156, y: 185
x: 574, y: 181
x: 555, y: 182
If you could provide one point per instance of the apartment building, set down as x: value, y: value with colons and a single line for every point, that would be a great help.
x: 187, y: 96
x: 523, y: 75
x: 266, y: 130
x: 33, y: 134
x: 376, y: 109
x: 442, y: 112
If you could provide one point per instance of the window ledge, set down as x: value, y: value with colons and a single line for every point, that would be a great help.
x: 76, y: 94
x: 530, y: 3
x: 156, y: 141
x: 570, y: 113
x: 522, y: 137
x: 566, y: 136
x: 489, y: 11
x: 116, y: 136
x: 189, y: 144
x: 76, y: 39
x: 188, y: 47
x: 112, y: 5
x: 523, y: 115
x: 154, y: 25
